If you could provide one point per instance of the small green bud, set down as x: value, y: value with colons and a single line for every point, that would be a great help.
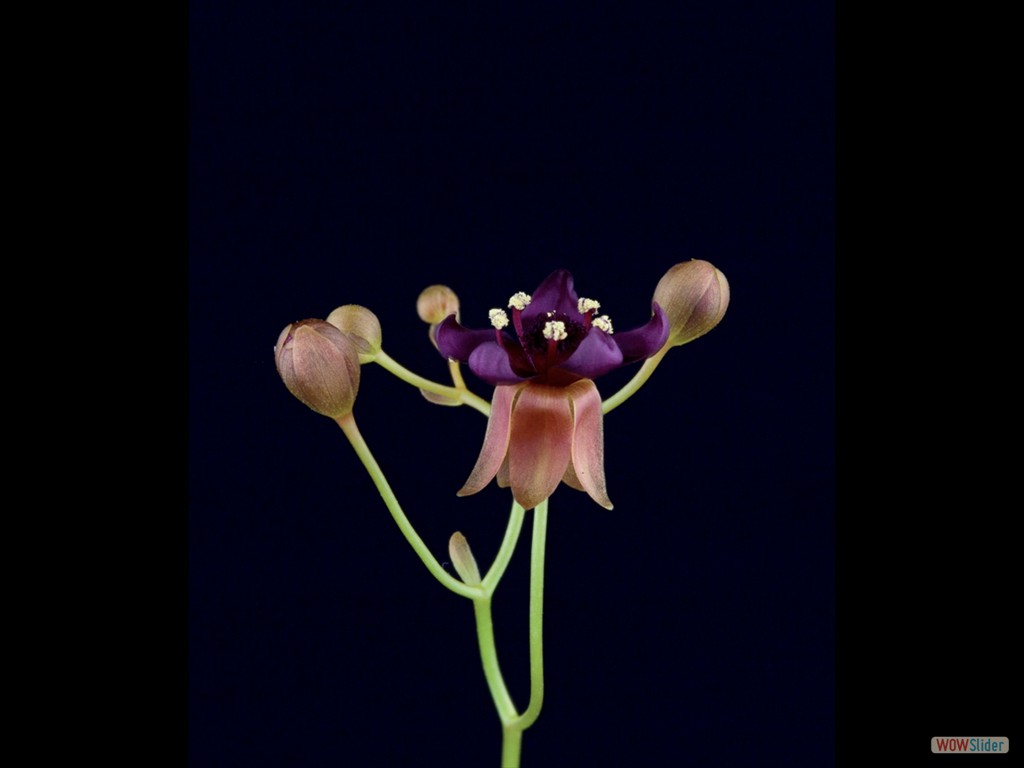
x: 319, y: 365
x: 694, y: 295
x: 463, y: 560
x: 361, y: 327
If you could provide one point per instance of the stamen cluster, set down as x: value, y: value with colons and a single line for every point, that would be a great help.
x: 547, y: 339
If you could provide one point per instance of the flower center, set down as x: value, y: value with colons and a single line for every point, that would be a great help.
x: 546, y: 340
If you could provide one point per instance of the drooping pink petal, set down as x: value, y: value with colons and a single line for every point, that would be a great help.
x: 540, y: 443
x: 588, y: 441
x: 596, y: 355
x: 640, y: 343
x: 555, y: 294
x: 496, y: 438
x: 502, y: 478
x: 570, y: 479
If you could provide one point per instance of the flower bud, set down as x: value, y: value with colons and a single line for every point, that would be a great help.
x: 361, y: 327
x: 435, y: 303
x: 463, y: 560
x: 319, y: 365
x: 694, y: 295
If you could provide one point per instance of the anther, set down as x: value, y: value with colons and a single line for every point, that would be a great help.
x: 586, y: 305
x: 604, y: 323
x: 555, y: 330
x: 519, y: 300
x: 498, y: 318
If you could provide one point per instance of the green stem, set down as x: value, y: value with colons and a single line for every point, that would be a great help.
x: 460, y: 394
x: 489, y: 657
x: 540, y: 524
x: 511, y: 746
x: 508, y: 545
x: 512, y: 723
x: 636, y: 382
x: 484, y: 624
x: 348, y: 426
x: 456, y: 372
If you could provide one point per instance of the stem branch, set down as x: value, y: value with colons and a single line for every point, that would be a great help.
x: 461, y: 393
x: 348, y: 426
x: 636, y: 382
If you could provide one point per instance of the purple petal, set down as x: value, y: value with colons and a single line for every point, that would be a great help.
x: 595, y: 356
x: 640, y: 343
x: 554, y: 294
x: 490, y: 362
x: 457, y: 342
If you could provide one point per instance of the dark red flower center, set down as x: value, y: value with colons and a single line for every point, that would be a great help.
x: 545, y: 342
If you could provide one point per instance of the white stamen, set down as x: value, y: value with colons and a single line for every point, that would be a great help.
x: 585, y: 305
x: 519, y: 300
x: 603, y: 322
x: 498, y: 318
x: 555, y: 329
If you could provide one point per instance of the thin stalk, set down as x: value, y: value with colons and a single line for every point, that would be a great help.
x: 456, y: 372
x: 636, y: 382
x: 460, y: 394
x: 540, y: 524
x: 489, y: 656
x: 348, y: 426
x: 512, y: 723
x: 508, y: 545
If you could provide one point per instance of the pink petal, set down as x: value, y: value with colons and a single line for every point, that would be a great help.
x: 570, y: 479
x: 540, y: 444
x: 502, y: 478
x: 588, y: 442
x: 495, y: 440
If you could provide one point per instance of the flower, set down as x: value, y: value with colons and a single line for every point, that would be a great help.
x: 319, y: 365
x: 546, y: 424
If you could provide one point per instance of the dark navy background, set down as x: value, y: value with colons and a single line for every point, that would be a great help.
x: 358, y: 152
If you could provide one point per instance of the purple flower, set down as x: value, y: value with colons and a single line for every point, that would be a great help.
x: 546, y: 424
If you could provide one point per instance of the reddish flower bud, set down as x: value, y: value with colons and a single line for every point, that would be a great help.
x: 319, y: 365
x: 694, y: 295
